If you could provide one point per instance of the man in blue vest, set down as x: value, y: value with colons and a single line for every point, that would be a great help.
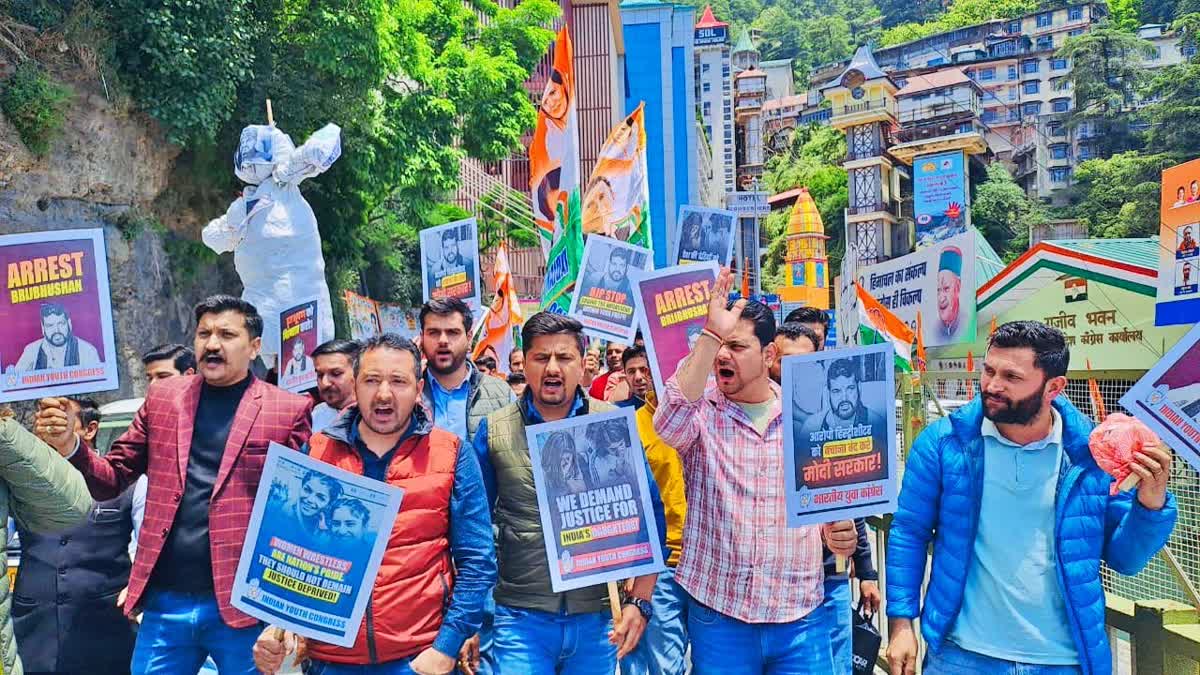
x: 1023, y: 519
x: 65, y: 609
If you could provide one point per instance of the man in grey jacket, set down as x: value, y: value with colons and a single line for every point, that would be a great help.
x: 43, y: 493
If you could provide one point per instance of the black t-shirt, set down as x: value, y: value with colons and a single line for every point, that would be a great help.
x: 186, y: 560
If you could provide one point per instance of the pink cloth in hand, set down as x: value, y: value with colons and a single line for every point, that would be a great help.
x: 1114, y: 442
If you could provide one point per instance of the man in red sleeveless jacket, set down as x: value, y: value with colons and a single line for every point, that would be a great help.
x: 440, y: 561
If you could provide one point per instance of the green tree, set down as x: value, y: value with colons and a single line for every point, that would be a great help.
x: 961, y: 13
x: 1125, y: 15
x: 1174, y: 115
x: 1003, y: 213
x: 1119, y: 196
x: 1106, y: 75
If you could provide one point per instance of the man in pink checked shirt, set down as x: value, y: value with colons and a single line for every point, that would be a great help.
x: 756, y: 586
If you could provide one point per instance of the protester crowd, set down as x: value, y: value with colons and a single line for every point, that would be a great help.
x: 465, y: 585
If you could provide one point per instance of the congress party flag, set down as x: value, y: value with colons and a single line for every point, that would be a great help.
x: 554, y: 152
x: 877, y: 324
x: 504, y: 314
x: 616, y: 202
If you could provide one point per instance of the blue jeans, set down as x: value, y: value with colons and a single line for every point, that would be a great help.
x: 390, y: 668
x: 179, y: 630
x: 837, y: 608
x: 954, y: 660
x: 662, y: 647
x: 723, y: 645
x: 529, y: 642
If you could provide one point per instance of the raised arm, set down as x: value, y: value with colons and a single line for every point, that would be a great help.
x: 46, y: 494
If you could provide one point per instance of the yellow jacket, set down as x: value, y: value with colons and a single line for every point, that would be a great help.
x: 668, y: 473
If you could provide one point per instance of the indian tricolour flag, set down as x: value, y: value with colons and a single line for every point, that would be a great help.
x: 877, y: 324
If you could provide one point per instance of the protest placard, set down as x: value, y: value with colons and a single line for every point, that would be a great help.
x: 603, y: 301
x: 672, y: 307
x: 1167, y: 398
x: 297, y: 340
x: 450, y: 257
x: 840, y: 439
x: 400, y: 320
x: 57, y: 316
x: 594, y: 499
x: 316, y: 537
x: 704, y: 235
x: 363, y: 313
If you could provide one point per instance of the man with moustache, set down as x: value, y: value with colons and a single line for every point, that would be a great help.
x: 755, y: 585
x: 612, y: 359
x: 202, y: 440
x: 440, y: 561
x: 1015, y: 461
x: 949, y: 284
x: 516, y: 362
x: 334, y: 362
x: 59, y: 346
x: 538, y: 631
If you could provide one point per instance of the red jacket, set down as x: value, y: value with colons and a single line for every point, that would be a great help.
x: 157, y: 444
x: 416, y: 576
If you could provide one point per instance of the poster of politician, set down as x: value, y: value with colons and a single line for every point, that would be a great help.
x: 938, y: 281
x: 57, y: 316
x: 603, y: 301
x: 363, y: 314
x: 399, y: 320
x: 1178, y: 297
x: 316, y: 537
x: 450, y: 259
x: 672, y: 306
x: 840, y: 443
x: 1167, y: 398
x: 594, y: 499
x: 704, y: 235
x: 297, y: 340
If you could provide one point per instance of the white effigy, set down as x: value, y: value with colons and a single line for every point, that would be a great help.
x: 271, y: 229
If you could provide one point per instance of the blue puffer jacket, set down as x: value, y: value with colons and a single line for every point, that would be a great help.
x: 940, y: 499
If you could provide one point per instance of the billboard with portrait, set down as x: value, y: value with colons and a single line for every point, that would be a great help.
x: 1178, y: 298
x: 57, y: 316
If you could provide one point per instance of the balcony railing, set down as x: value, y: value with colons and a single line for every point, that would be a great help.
x: 889, y: 207
x: 864, y: 106
x: 950, y: 127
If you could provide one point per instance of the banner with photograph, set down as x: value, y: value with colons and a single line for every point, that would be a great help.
x: 705, y: 235
x: 847, y: 298
x: 363, y: 313
x: 554, y: 149
x: 57, y: 316
x: 840, y: 443
x: 1167, y: 398
x: 450, y: 258
x: 940, y: 196
x: 1179, y: 253
x: 594, y: 499
x: 398, y: 319
x: 672, y: 306
x: 604, y: 301
x: 316, y: 537
x: 938, y: 281
x: 616, y: 202
x: 297, y: 340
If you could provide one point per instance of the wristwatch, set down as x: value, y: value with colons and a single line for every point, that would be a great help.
x: 642, y: 606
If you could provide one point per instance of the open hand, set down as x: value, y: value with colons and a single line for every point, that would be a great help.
x: 722, y: 321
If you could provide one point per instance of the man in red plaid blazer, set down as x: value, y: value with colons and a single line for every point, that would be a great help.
x: 202, y: 441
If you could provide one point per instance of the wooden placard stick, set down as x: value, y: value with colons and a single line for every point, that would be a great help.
x: 1129, y: 483
x: 270, y: 114
x: 614, y: 602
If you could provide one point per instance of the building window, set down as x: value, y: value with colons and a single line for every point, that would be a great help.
x: 1046, y: 19
x: 1085, y: 152
x: 1075, y: 14
x: 703, y: 67
x: 990, y: 116
x: 1014, y: 115
x: 1012, y: 93
x: 1030, y: 87
x: 1058, y: 64
x: 1031, y: 109
x: 1057, y: 129
x: 1061, y: 105
x: 1075, y: 33
x: 1188, y: 50
x: 966, y: 128
x: 1045, y: 42
x: 1058, y: 152
x: 707, y: 108
x: 1012, y: 72
x: 1029, y: 66
x: 936, y: 62
x: 1014, y: 26
x: 707, y: 86
x: 971, y: 74
x: 1060, y: 174
x: 987, y: 74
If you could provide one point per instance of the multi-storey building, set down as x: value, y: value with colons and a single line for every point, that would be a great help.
x: 781, y: 82
x: 660, y: 63
x: 714, y: 95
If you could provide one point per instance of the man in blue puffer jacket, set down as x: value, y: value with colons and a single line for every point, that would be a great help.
x: 1020, y: 517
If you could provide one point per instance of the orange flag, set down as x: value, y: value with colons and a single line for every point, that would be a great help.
x: 503, y: 315
x: 746, y: 278
x: 970, y: 382
x: 920, y: 344
x: 1098, y: 410
x: 992, y: 329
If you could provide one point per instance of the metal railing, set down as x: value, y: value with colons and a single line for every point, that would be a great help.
x: 864, y: 106
x: 1153, y: 618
